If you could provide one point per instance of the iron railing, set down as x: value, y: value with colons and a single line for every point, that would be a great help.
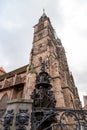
x: 41, y: 119
x: 66, y: 119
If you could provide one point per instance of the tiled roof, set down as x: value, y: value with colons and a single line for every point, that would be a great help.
x: 2, y: 69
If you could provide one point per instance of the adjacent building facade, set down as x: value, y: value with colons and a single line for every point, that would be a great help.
x: 85, y: 102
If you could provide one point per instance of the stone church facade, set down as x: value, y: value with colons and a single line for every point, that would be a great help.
x: 46, y: 73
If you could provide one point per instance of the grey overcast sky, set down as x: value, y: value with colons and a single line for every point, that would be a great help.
x: 69, y: 19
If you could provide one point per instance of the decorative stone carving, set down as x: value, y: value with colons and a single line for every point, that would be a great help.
x: 8, y: 119
x: 22, y: 119
x: 43, y: 98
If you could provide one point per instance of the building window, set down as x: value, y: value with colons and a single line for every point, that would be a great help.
x: 40, y: 47
x: 40, y: 35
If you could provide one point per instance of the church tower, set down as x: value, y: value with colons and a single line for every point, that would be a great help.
x: 41, y: 95
x: 47, y: 48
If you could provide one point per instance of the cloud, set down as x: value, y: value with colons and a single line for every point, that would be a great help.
x: 73, y: 36
x: 16, y: 33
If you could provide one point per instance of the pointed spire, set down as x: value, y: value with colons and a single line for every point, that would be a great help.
x: 44, y: 15
x: 43, y: 10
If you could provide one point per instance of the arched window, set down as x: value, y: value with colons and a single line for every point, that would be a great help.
x: 3, y: 102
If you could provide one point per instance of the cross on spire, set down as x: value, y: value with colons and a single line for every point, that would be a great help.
x: 44, y: 15
x: 43, y: 10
